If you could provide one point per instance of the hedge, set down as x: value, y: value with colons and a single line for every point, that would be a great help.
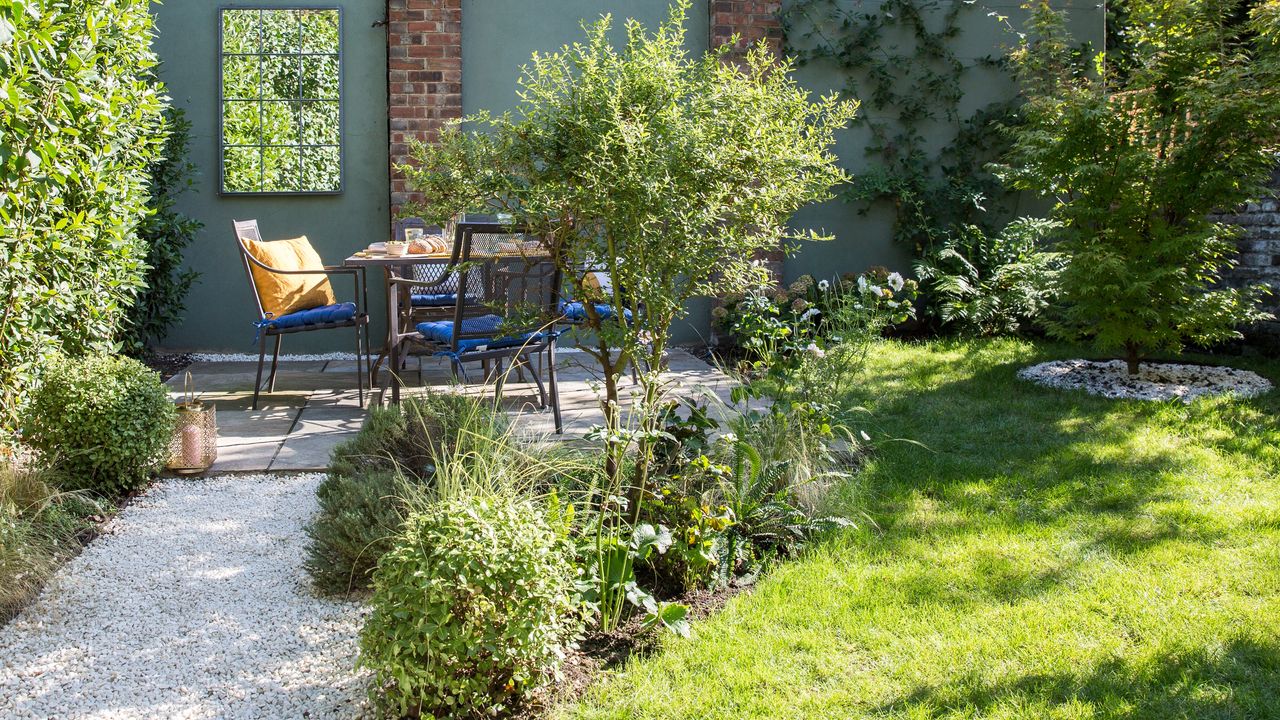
x: 81, y: 118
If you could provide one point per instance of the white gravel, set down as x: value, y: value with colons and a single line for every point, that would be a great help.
x: 1155, y: 381
x: 253, y: 357
x: 193, y: 604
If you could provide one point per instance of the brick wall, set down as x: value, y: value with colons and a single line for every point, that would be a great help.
x: 752, y: 20
x: 1259, y: 246
x: 424, y: 76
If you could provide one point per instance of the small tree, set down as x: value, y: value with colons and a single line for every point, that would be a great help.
x: 1137, y: 164
x: 668, y: 171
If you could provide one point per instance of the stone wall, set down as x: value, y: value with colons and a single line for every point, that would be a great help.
x: 1259, y: 260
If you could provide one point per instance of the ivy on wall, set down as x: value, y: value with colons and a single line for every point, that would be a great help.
x: 80, y: 118
x: 927, y: 152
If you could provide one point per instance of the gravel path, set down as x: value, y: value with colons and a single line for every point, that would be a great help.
x: 193, y: 604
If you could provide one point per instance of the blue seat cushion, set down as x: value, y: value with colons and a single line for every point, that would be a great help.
x: 441, y: 331
x: 434, y: 299
x: 575, y: 312
x: 340, y: 312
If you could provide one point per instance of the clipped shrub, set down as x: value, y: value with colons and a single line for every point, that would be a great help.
x: 103, y: 422
x: 359, y: 517
x: 472, y: 611
x: 362, y: 500
x: 80, y: 118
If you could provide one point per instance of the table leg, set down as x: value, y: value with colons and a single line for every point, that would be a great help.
x: 393, y: 335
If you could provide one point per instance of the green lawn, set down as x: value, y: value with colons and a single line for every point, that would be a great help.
x: 1049, y: 555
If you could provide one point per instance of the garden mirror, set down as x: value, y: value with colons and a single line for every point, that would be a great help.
x: 280, y: 101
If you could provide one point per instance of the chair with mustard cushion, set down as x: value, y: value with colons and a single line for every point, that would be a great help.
x: 291, y: 287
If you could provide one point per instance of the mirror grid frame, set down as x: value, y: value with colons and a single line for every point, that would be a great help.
x: 300, y: 145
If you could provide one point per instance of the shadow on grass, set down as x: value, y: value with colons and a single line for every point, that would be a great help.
x: 1237, y: 680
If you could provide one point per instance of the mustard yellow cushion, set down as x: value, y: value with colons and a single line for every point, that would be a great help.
x: 283, y: 294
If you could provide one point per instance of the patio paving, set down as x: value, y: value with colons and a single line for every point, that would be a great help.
x: 315, y: 405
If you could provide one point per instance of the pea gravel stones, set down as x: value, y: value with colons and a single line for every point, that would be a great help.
x: 192, y: 604
x: 1155, y: 381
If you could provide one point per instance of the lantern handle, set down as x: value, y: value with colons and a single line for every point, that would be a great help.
x: 188, y: 389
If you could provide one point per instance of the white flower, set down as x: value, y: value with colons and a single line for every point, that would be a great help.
x: 895, y: 282
x: 865, y: 436
x: 893, y: 303
x: 875, y: 289
x: 824, y: 285
x: 862, y: 283
x: 815, y: 351
x: 808, y: 314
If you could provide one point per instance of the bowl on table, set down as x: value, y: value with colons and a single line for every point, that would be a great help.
x: 396, y: 248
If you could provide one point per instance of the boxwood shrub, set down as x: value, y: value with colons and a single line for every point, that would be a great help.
x: 472, y: 611
x: 103, y: 422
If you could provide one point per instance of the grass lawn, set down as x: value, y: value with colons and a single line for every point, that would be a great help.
x: 1049, y: 555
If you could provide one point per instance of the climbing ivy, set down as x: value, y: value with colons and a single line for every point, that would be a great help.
x: 899, y: 59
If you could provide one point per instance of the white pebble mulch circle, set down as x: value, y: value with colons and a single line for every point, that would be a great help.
x: 192, y: 604
x: 1155, y: 381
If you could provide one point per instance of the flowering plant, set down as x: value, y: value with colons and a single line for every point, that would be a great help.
x: 772, y: 324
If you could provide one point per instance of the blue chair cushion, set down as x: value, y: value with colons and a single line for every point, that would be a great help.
x: 441, y: 331
x: 434, y: 299
x: 575, y: 312
x: 340, y: 312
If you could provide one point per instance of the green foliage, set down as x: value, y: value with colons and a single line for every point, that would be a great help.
x: 364, y: 498
x: 776, y: 325
x: 409, y: 456
x: 666, y: 170
x: 1136, y: 164
x: 80, y: 117
x: 472, y: 611
x: 165, y: 231
x: 38, y: 528
x: 104, y: 422
x: 983, y: 284
x: 927, y: 152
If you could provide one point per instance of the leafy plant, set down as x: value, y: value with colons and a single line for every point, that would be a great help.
x: 103, y: 422
x: 38, y: 527
x: 80, y: 114
x: 472, y: 611
x: 983, y: 284
x: 666, y: 170
x: 1136, y: 163
x: 165, y: 232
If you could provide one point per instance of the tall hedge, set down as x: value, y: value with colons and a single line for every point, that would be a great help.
x: 81, y: 121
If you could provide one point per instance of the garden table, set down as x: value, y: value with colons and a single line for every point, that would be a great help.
x: 401, y: 264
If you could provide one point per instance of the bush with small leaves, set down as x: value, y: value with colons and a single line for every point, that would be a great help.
x: 472, y: 611
x: 102, y: 422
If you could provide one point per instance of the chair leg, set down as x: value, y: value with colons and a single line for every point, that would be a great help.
x: 275, y: 361
x: 359, y: 368
x: 537, y: 379
x: 500, y: 380
x: 262, y: 357
x: 553, y: 388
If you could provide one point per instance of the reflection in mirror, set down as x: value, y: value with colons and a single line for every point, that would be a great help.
x: 281, y: 113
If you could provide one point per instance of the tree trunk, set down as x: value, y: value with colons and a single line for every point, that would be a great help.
x: 1131, y: 358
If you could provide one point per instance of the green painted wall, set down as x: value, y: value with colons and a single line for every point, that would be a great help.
x: 220, y: 308
x: 865, y: 240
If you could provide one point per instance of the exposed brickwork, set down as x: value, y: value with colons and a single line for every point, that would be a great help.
x: 1260, y: 254
x: 424, y: 76
x: 751, y: 20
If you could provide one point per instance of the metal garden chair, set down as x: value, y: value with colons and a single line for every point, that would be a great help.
x: 328, y: 317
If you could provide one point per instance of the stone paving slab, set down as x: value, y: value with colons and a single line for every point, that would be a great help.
x: 315, y: 405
